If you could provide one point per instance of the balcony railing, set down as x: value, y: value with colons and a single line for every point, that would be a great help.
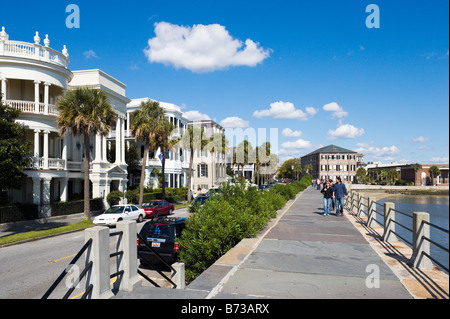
x: 30, y: 107
x: 33, y: 51
x: 53, y: 163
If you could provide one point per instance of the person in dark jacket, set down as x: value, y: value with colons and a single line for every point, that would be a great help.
x: 340, y: 193
x: 327, y: 197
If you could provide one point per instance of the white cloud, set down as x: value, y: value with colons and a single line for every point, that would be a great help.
x: 311, y: 111
x: 424, y: 148
x: 196, y: 116
x: 380, y: 152
x: 440, y: 159
x: 338, y: 111
x: 345, y: 131
x: 420, y: 139
x: 201, y: 48
x: 234, y: 122
x: 90, y: 54
x: 290, y: 133
x: 299, y: 144
x: 282, y: 110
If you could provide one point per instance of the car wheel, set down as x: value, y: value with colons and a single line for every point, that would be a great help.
x: 140, y: 219
x: 155, y: 215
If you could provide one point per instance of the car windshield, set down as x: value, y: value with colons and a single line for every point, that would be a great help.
x: 115, y: 210
x: 151, y: 204
x: 200, y: 200
x: 158, y: 230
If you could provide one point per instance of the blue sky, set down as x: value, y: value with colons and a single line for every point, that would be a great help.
x: 311, y: 69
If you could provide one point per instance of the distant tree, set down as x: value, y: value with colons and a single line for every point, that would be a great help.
x: 434, y: 172
x: 14, y: 153
x: 361, y: 173
x: 145, y: 124
x: 193, y: 139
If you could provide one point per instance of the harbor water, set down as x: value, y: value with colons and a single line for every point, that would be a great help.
x: 436, y: 206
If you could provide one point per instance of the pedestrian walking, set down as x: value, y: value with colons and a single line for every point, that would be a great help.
x: 340, y: 194
x: 318, y: 184
x: 333, y: 200
x: 327, y: 192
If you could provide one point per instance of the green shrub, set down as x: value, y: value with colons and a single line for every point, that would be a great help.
x: 10, y: 214
x: 75, y: 207
x: 114, y: 198
x: 223, y: 221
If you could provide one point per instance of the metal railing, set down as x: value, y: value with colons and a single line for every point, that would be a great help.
x: 116, y: 254
x: 88, y: 267
x: 149, y: 262
x: 420, y: 231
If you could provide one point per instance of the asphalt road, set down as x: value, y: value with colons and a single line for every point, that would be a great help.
x: 28, y: 270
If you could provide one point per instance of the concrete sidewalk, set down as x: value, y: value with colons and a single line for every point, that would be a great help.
x: 300, y: 255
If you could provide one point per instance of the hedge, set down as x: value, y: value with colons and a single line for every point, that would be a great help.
x: 224, y: 220
x: 22, y: 212
x: 75, y: 207
x: 17, y: 213
x: 173, y: 195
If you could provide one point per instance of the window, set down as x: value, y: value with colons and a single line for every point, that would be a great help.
x: 202, y: 170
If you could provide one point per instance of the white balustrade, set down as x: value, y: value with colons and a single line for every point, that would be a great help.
x: 35, y: 51
x: 28, y: 107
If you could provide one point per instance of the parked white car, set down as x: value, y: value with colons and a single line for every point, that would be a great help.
x: 119, y: 213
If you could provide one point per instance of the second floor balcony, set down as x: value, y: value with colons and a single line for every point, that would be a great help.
x: 33, y: 107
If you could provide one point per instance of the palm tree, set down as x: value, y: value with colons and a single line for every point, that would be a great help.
x: 193, y: 139
x: 361, y: 173
x: 217, y: 143
x: 434, y: 172
x: 165, y: 143
x: 244, y: 155
x: 146, y: 122
x: 85, y: 112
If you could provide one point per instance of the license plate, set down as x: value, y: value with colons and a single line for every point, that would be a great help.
x: 156, y: 245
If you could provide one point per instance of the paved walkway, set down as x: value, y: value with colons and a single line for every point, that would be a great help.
x: 300, y: 255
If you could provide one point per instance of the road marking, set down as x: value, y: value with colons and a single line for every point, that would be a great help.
x: 60, y: 259
x: 55, y: 261
x: 113, y: 280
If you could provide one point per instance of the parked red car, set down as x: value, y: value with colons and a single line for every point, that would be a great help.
x: 158, y: 208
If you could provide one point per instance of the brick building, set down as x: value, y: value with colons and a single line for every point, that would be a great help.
x: 420, y: 178
x: 332, y: 161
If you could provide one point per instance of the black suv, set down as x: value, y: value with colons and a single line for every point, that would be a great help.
x: 161, y: 234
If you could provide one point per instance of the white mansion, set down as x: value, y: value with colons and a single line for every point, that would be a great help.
x: 33, y: 77
x: 177, y: 161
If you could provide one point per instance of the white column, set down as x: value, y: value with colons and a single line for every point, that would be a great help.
x: 46, y: 149
x: 36, y: 96
x: 3, y: 97
x: 98, y: 148
x: 64, y: 152
x: 36, y: 143
x: 122, y: 143
x: 118, y: 141
x: 37, y: 191
x: 46, y: 97
x: 104, y: 150
x: 64, y: 189
x: 128, y: 124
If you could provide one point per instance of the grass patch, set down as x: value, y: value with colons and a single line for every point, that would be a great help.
x: 181, y: 205
x: 43, y: 233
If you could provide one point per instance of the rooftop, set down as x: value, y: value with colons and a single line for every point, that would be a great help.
x: 330, y: 149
